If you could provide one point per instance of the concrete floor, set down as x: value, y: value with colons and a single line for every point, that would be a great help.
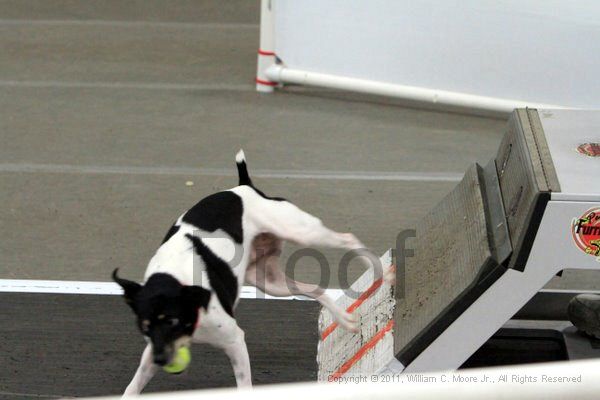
x: 107, y: 109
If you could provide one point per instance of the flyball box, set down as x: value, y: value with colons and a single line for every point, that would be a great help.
x: 491, y: 244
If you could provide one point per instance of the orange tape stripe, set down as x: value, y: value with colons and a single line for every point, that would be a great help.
x: 364, y: 296
x: 328, y: 330
x: 362, y: 351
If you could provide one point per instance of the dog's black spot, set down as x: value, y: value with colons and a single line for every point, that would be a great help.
x: 172, y: 230
x: 222, y: 280
x: 163, y: 297
x: 157, y: 295
x: 166, y: 310
x: 221, y: 210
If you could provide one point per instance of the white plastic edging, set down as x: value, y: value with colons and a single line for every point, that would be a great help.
x: 282, y: 74
x: 580, y: 380
x: 111, y: 288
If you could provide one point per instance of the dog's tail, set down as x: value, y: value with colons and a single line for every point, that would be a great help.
x: 240, y: 160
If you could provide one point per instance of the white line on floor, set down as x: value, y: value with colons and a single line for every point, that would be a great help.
x: 125, y: 24
x: 250, y: 87
x: 111, y: 288
x: 190, y: 172
x: 30, y: 395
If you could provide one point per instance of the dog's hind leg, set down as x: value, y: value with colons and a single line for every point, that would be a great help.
x: 146, y: 370
x: 276, y: 283
x: 286, y: 221
x: 265, y: 274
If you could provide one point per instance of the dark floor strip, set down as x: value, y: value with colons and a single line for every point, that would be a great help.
x: 85, y: 345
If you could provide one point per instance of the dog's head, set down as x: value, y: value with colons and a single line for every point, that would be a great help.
x: 166, y: 311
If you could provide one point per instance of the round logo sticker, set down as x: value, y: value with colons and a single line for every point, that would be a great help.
x: 589, y: 149
x: 586, y: 232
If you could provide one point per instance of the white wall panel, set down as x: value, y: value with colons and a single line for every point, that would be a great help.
x: 542, y: 51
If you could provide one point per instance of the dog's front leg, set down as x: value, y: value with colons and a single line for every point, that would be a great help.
x: 146, y: 370
x: 237, y: 352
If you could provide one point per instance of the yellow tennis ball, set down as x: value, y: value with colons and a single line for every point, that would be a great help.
x: 180, y: 361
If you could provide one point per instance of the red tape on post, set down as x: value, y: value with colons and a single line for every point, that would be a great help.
x: 266, y: 83
x: 265, y: 53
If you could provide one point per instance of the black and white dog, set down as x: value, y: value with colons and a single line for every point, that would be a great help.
x: 192, y: 283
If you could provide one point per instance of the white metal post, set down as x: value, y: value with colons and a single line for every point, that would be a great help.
x: 266, y: 52
x: 281, y: 74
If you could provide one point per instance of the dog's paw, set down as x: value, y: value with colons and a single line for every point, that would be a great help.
x: 351, y: 242
x: 389, y: 275
x: 348, y: 321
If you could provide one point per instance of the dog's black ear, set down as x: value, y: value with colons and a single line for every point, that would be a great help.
x: 196, y: 295
x: 130, y: 288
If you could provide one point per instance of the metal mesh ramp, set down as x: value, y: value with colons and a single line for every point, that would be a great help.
x: 451, y: 255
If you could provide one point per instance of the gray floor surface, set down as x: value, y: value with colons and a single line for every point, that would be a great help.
x: 108, y: 109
